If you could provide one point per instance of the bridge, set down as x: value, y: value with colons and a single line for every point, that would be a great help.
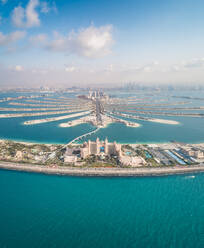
x: 53, y: 154
x: 83, y: 136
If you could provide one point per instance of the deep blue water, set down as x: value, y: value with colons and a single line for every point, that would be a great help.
x: 55, y: 211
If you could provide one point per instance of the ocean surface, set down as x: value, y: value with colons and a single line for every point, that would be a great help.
x: 190, y: 129
x: 57, y: 211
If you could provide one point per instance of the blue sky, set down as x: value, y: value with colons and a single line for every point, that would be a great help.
x: 69, y: 42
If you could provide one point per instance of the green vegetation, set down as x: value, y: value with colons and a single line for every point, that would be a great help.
x: 26, y: 153
x: 141, y: 153
x: 54, y: 155
x: 128, y: 147
x: 101, y: 164
x: 106, y: 161
x: 152, y: 162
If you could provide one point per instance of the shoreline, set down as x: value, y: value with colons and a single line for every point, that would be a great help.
x: 58, y: 118
x: 122, y: 143
x: 150, y: 119
x: 101, y: 172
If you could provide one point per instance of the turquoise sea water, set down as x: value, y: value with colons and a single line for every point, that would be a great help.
x: 55, y: 211
x: 190, y: 129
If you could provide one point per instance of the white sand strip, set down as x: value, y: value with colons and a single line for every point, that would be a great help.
x: 46, y: 105
x: 40, y: 121
x: 39, y: 113
x: 40, y: 109
x: 74, y: 122
x: 164, y: 121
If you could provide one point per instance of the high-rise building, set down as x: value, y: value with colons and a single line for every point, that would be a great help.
x: 100, y: 147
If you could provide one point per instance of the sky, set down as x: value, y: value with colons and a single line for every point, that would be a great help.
x: 65, y: 43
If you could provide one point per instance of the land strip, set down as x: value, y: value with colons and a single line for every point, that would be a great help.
x: 165, y: 113
x: 45, y: 105
x: 39, y: 114
x: 39, y: 121
x: 103, y: 172
x: 162, y: 121
x: 36, y: 109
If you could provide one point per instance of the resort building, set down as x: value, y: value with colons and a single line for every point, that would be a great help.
x: 193, y: 152
x: 71, y: 155
x: 100, y: 147
x: 196, y: 153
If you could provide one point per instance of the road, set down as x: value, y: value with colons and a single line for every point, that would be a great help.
x: 99, y: 108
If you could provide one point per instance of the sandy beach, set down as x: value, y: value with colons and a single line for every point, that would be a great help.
x: 41, y: 113
x: 103, y: 172
x: 163, y: 121
x: 43, y: 105
x: 37, y: 109
x: 39, y: 121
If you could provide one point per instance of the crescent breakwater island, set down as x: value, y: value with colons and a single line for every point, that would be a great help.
x: 98, y: 157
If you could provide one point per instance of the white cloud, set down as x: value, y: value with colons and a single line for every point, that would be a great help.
x: 70, y: 69
x: 28, y: 17
x: 194, y: 63
x: 103, y: 74
x: 18, y: 16
x: 146, y: 68
x: 45, y: 8
x: 18, y: 68
x: 110, y: 68
x: 4, y: 1
x: 90, y: 42
x: 11, y: 38
x: 175, y: 68
x: 38, y: 40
